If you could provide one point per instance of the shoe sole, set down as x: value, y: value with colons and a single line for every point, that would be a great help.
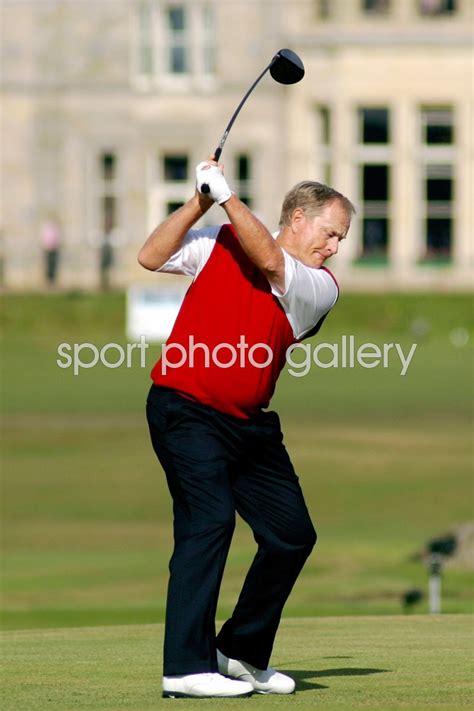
x: 274, y: 693
x: 181, y: 695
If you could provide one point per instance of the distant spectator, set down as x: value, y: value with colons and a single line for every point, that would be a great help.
x: 50, y: 241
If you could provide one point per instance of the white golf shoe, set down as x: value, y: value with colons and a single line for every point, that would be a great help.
x: 204, y: 686
x: 267, y: 681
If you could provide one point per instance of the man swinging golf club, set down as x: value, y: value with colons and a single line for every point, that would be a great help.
x: 220, y: 450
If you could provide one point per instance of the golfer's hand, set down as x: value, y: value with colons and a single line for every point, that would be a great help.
x: 211, y: 173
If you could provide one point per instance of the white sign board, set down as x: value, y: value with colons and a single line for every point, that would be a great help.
x: 152, y: 311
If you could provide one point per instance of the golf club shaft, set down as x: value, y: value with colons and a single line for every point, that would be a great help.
x: 218, y: 151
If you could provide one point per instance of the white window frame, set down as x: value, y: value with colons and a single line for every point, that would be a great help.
x: 199, y: 38
x: 375, y: 154
x: 96, y: 188
x: 161, y: 192
x: 442, y: 154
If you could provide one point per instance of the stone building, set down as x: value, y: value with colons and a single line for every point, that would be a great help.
x: 107, y: 105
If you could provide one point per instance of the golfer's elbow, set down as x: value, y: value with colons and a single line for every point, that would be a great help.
x: 147, y: 260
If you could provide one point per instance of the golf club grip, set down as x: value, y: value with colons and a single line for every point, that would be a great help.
x: 217, y: 154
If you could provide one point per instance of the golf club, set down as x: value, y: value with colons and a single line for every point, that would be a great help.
x: 286, y: 68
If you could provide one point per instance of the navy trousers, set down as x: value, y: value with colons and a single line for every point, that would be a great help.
x: 215, y: 465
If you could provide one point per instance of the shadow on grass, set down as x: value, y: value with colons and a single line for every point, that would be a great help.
x: 300, y: 676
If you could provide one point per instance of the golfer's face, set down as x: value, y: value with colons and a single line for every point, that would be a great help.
x: 320, y: 235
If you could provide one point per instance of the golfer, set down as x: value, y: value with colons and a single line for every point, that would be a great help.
x: 253, y: 295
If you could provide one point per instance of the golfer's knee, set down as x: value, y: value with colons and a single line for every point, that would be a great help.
x: 299, y: 540
x: 307, y: 538
x: 222, y: 523
x: 311, y: 539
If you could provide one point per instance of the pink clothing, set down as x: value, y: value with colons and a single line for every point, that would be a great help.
x: 49, y: 236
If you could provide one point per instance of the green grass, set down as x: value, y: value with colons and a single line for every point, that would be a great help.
x: 384, y: 461
x: 370, y: 663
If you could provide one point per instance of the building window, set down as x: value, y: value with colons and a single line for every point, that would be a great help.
x: 108, y: 193
x: 437, y: 134
x: 323, y: 9
x: 374, y: 179
x: 323, y: 143
x: 243, y: 173
x: 373, y: 126
x: 172, y: 184
x: 375, y: 7
x: 438, y: 217
x: 375, y: 193
x: 325, y: 125
x: 175, y: 39
x: 175, y: 168
x: 173, y: 205
x: 177, y: 54
x: 433, y: 8
x: 437, y: 126
x: 208, y: 40
x: 145, y: 40
x: 108, y: 214
x: 108, y: 168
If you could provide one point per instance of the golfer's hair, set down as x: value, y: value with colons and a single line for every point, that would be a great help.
x: 311, y: 197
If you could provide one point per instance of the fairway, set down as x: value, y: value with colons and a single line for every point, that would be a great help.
x: 385, y: 464
x: 371, y: 663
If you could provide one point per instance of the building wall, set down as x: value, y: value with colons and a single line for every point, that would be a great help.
x: 78, y: 92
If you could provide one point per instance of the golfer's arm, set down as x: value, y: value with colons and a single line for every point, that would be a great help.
x: 166, y: 239
x: 257, y: 242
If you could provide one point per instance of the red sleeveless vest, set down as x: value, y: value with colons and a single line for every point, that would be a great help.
x: 230, y: 302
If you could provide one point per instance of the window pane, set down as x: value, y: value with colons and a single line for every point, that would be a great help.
x: 178, y: 60
x: 439, y: 189
x: 176, y: 18
x: 172, y: 206
x: 439, y: 134
x: 243, y: 167
x: 243, y: 171
x: 145, y: 51
x: 375, y: 179
x: 209, y: 34
x: 374, y: 125
x: 175, y: 168
x: 109, y: 213
x: 438, y: 236
x: 325, y: 125
x: 108, y: 166
x: 323, y: 9
x: 437, y: 126
x: 374, y: 235
x: 436, y: 7
x: 375, y: 7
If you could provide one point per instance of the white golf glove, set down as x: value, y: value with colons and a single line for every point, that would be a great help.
x: 214, y: 177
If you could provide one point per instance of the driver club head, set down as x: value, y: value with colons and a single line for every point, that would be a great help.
x: 286, y: 67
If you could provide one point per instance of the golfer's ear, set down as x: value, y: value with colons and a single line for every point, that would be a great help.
x: 297, y: 217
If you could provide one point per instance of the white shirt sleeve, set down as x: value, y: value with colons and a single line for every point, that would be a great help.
x: 194, y: 252
x: 309, y: 294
